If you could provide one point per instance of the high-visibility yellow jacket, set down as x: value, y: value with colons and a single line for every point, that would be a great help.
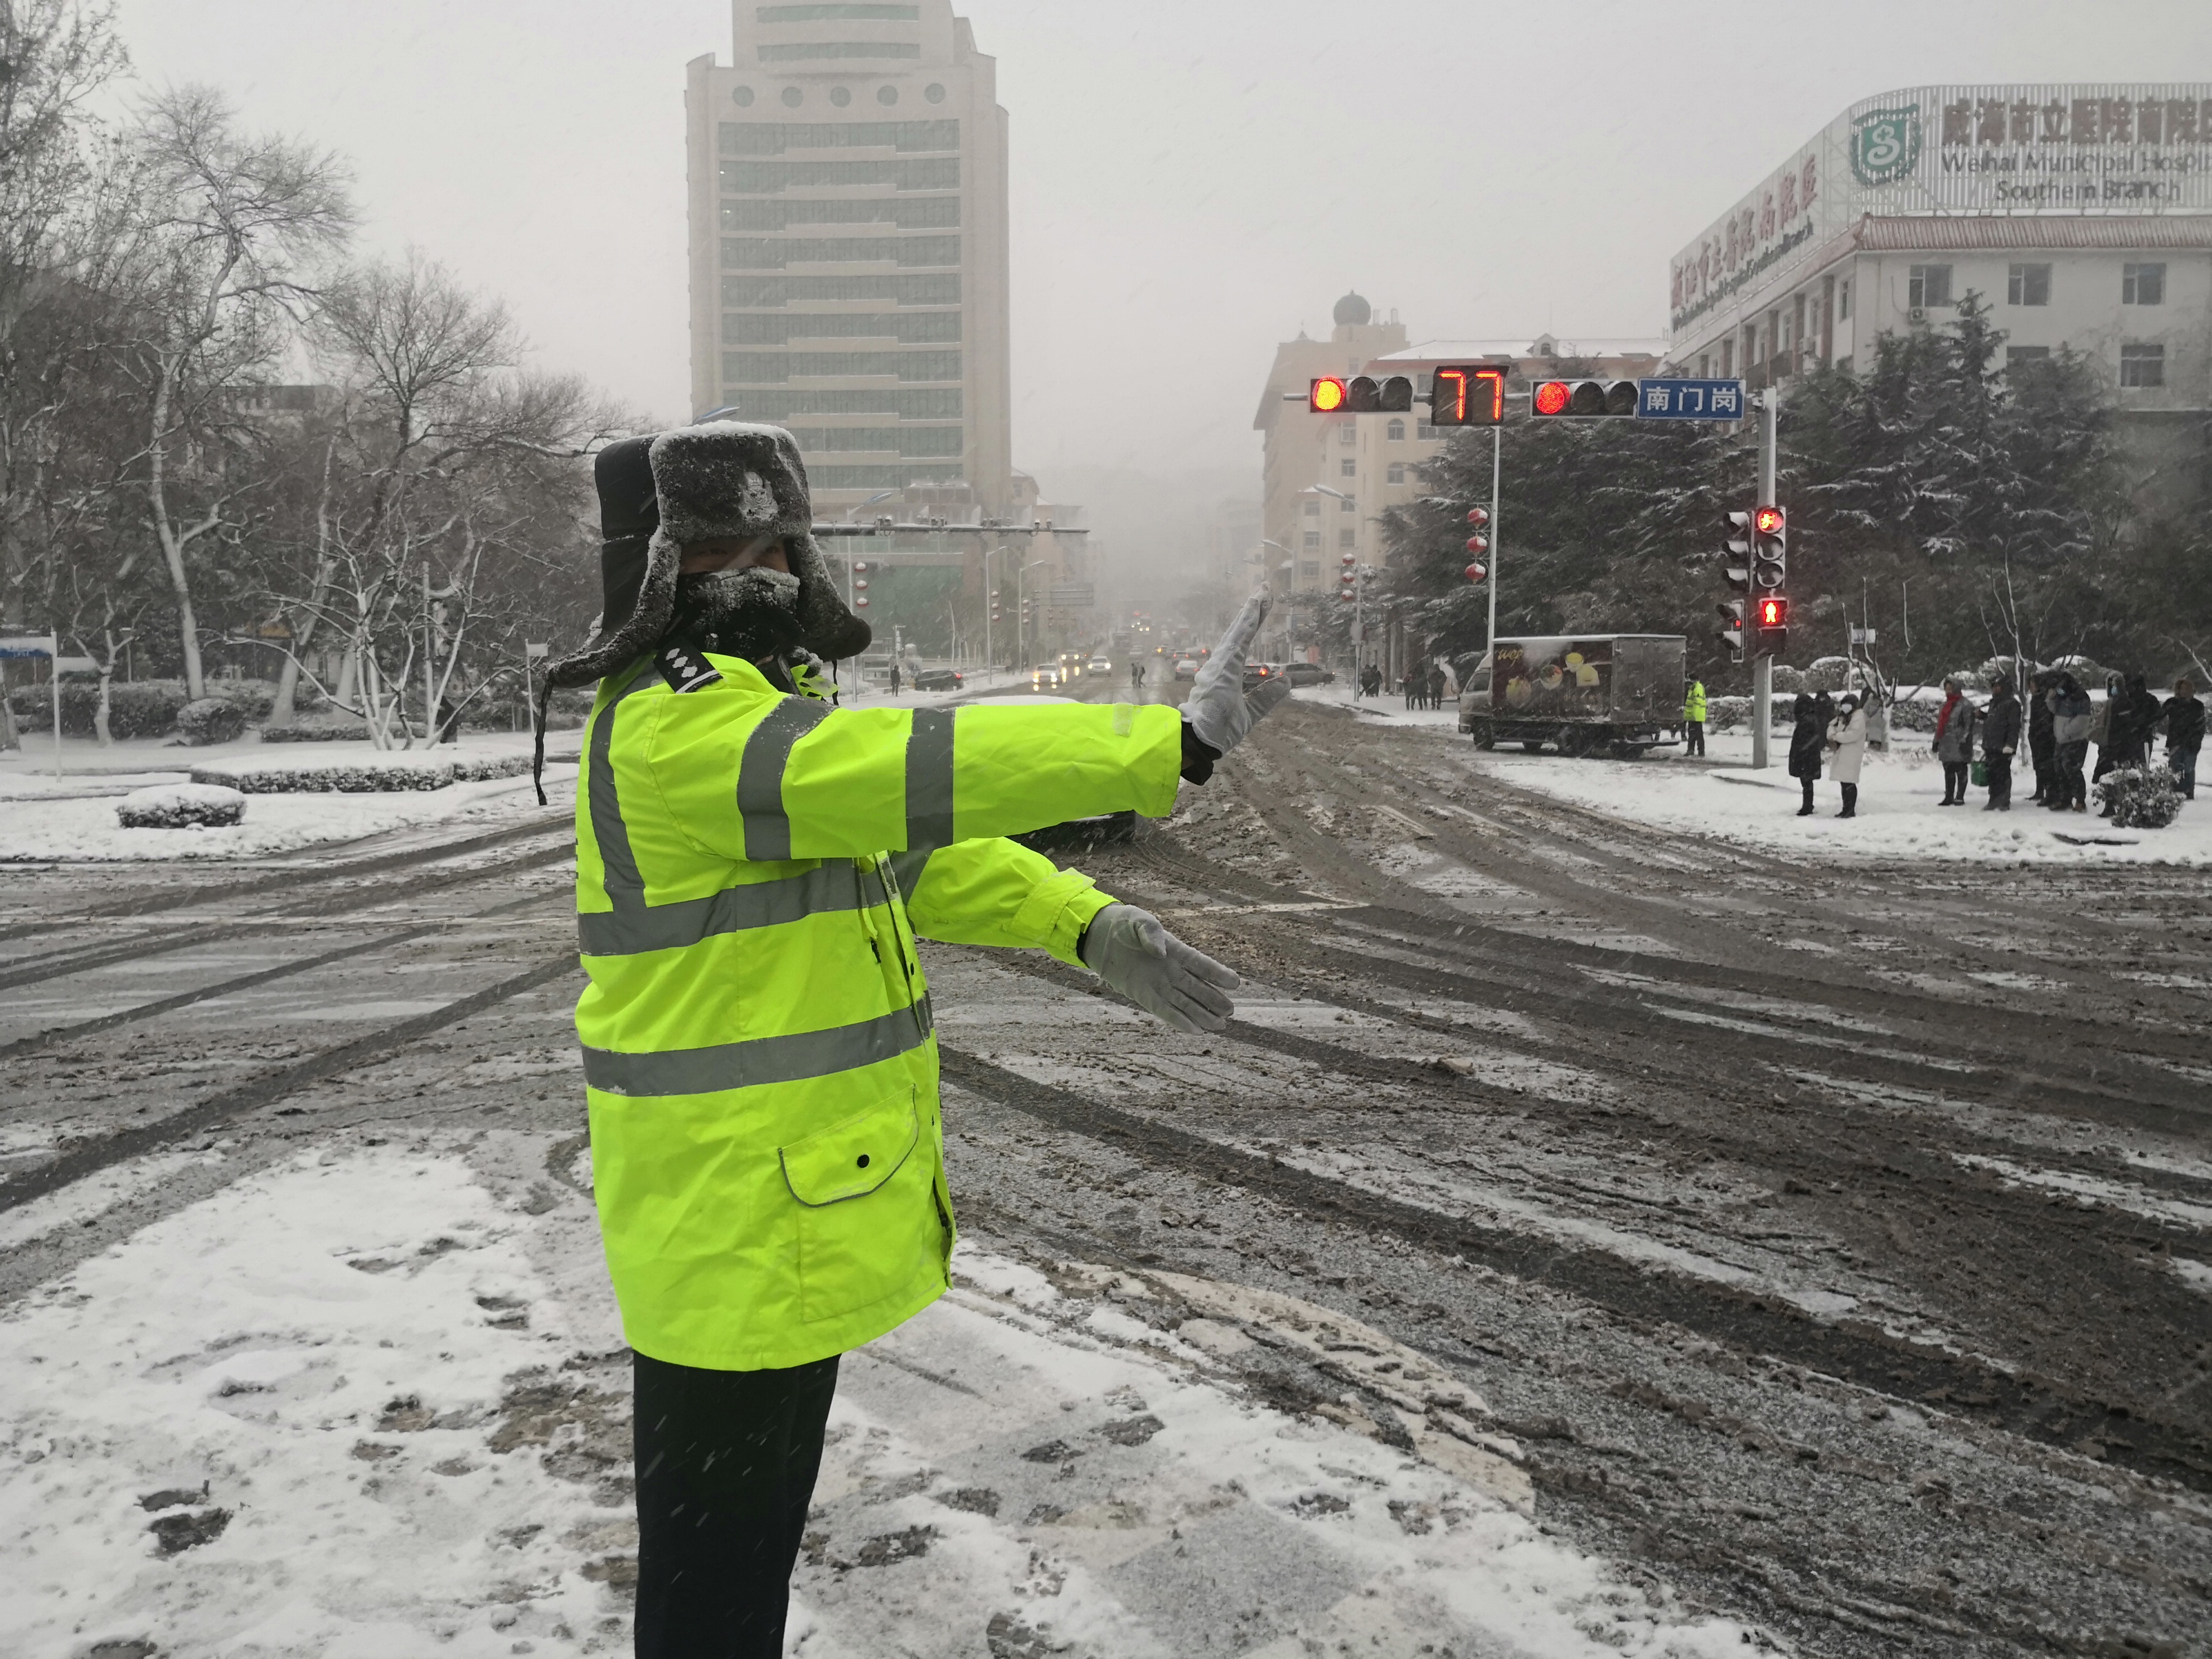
x: 751, y: 871
x: 1693, y: 705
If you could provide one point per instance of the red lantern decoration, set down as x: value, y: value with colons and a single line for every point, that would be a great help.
x: 1475, y: 573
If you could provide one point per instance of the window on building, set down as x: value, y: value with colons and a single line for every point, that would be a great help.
x: 2025, y: 354
x: 2142, y: 365
x: 1728, y: 360
x: 1310, y: 570
x: 1313, y: 538
x: 1396, y: 474
x: 2142, y: 285
x: 1928, y: 285
x: 1704, y: 365
x: 1844, y: 300
x: 1313, y: 509
x: 1347, y: 435
x: 1344, y: 538
x: 2028, y: 285
x: 1345, y: 504
x: 1423, y: 429
x: 1348, y: 467
x: 846, y: 12
x: 1395, y: 432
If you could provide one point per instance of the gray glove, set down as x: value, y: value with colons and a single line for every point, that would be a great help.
x: 1219, y: 711
x: 1130, y: 950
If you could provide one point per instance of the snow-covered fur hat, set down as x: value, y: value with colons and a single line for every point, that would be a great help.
x: 733, y: 479
x: 637, y: 573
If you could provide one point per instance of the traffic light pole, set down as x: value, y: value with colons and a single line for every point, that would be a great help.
x: 1762, y: 664
x: 1497, y: 545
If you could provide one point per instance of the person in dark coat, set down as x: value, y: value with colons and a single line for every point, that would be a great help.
x: 1808, y: 744
x: 2183, y: 718
x: 2071, y: 714
x: 2133, y: 717
x: 2001, y: 725
x: 2042, y: 747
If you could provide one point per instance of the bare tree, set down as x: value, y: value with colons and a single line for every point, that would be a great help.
x: 239, y: 222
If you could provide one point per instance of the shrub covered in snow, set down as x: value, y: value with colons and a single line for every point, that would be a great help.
x: 371, y: 774
x: 180, y: 806
x: 2140, y: 797
x: 142, y: 708
x: 1789, y: 679
x: 484, y: 767
x: 210, y: 721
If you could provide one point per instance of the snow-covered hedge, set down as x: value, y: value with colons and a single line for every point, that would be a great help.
x: 2140, y: 797
x: 180, y: 806
x: 370, y: 774
x: 351, y: 731
x: 210, y: 721
x: 142, y: 709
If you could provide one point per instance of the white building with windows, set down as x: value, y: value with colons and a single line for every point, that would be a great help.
x: 2081, y: 214
x: 848, y: 186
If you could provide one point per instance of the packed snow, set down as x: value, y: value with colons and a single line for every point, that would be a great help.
x: 372, y: 1401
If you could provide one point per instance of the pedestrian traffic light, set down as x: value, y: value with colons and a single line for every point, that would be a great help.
x: 1468, y: 394
x: 1583, y: 400
x: 1731, y: 629
x: 1769, y: 549
x: 1772, y: 614
x: 1362, y: 394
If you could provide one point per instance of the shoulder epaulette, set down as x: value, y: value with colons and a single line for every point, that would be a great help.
x: 684, y: 668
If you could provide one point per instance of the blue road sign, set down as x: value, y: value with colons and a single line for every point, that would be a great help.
x: 1689, y: 400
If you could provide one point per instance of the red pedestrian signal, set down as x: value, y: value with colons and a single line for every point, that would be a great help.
x: 1325, y: 396
x: 1468, y: 394
x: 1773, y: 612
x: 1768, y: 521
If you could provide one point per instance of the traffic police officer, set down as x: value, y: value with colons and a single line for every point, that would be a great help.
x: 1693, y: 719
x: 754, y: 866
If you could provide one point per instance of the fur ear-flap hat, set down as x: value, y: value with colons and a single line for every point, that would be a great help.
x: 637, y: 576
x: 733, y: 478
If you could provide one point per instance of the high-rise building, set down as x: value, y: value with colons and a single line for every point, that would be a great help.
x: 847, y: 177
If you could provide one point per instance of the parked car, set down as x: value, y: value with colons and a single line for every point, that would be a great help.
x: 1308, y: 673
x: 939, y: 679
x: 1186, y: 668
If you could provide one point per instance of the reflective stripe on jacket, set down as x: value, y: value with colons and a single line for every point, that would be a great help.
x: 751, y: 871
x: 1693, y: 705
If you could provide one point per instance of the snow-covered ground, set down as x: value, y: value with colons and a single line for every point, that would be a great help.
x: 372, y: 1403
x: 1898, y: 814
x: 72, y: 819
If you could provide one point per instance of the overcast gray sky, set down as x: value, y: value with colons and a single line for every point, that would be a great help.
x: 1192, y: 180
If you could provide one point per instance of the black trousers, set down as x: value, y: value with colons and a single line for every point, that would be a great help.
x: 2000, y: 770
x: 2044, y: 755
x: 726, y: 1468
x: 2071, y: 787
x: 1954, y: 779
x: 1693, y: 736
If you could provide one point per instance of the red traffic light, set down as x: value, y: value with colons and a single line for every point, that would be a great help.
x: 1768, y: 522
x: 1475, y: 573
x: 1477, y: 517
x: 1325, y: 396
x: 1773, y: 613
x: 1551, y: 398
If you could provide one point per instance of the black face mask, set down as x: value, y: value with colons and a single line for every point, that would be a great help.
x: 752, y: 613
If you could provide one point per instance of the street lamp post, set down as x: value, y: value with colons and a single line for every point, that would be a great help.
x: 1021, y: 582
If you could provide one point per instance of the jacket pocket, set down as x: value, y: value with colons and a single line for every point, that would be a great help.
x: 867, y: 1221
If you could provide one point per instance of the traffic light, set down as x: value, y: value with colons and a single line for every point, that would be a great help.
x: 1362, y: 394
x: 1468, y: 394
x: 1773, y: 616
x: 1731, y: 629
x: 1769, y: 549
x: 1735, y: 554
x: 1583, y: 400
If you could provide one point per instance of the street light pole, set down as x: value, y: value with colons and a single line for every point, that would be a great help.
x: 1497, y: 545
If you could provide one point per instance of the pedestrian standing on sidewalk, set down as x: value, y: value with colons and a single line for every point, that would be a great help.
x: 2042, y: 747
x: 2100, y: 725
x: 2000, y: 739
x: 1954, y: 742
x: 1847, y: 741
x: 754, y: 866
x: 1693, y: 719
x: 2070, y: 717
x: 1436, y: 686
x: 894, y: 677
x: 2184, y: 716
x: 1808, y: 745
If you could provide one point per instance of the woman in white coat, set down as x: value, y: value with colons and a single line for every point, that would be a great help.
x: 1847, y: 741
